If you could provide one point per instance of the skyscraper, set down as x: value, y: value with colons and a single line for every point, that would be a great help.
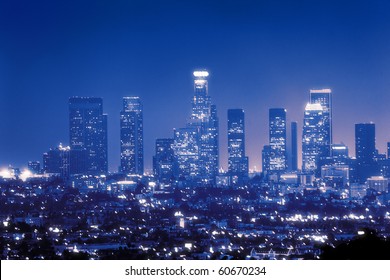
x: 294, y: 146
x: 365, y: 142
x: 131, y: 136
x: 265, y: 158
x: 196, y: 147
x: 313, y: 139
x: 201, y: 102
x: 237, y: 161
x: 186, y: 150
x: 163, y: 161
x: 65, y: 161
x: 324, y: 97
x: 209, y: 146
x: 365, y: 151
x: 88, y: 131
x: 277, y: 139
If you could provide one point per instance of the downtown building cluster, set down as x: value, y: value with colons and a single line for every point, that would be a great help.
x: 192, y: 154
x: 189, y: 208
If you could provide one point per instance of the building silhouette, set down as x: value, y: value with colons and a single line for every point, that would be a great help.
x: 277, y: 140
x: 365, y: 151
x: 237, y: 160
x: 131, y: 136
x: 294, y: 146
x: 163, y: 161
x: 34, y: 167
x: 64, y: 161
x: 88, y: 131
x: 266, y: 156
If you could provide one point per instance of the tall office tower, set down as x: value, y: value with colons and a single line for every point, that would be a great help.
x: 313, y: 138
x: 324, y: 97
x: 131, y: 136
x: 237, y: 161
x: 365, y: 150
x: 88, y: 131
x: 277, y: 139
x: 294, y: 146
x: 201, y: 102
x: 65, y: 161
x: 163, y: 161
x: 196, y: 147
x: 365, y: 142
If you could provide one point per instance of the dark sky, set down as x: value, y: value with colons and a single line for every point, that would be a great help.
x: 260, y: 54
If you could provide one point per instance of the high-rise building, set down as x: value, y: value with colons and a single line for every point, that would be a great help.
x: 209, y: 146
x: 277, y: 140
x: 237, y: 161
x: 365, y: 151
x: 365, y: 142
x: 131, y: 136
x: 294, y: 146
x: 65, y: 161
x: 324, y: 97
x: 196, y: 147
x: 88, y: 131
x: 313, y: 138
x: 201, y: 102
x: 163, y: 161
x: 266, y: 156
x: 34, y: 167
x: 339, y: 153
x: 186, y: 150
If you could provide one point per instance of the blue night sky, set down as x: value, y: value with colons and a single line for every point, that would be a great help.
x: 260, y: 54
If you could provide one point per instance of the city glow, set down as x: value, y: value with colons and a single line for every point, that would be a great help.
x: 6, y: 174
x: 26, y: 174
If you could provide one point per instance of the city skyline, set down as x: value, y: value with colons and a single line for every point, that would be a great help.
x: 132, y: 105
x: 263, y: 70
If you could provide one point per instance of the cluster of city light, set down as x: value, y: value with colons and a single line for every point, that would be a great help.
x: 6, y: 174
x: 300, y: 218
